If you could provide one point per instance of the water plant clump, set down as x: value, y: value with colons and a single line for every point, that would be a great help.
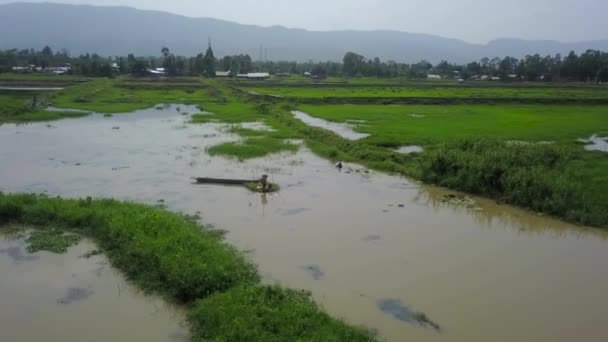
x: 253, y: 147
x: 53, y: 240
x: 546, y: 178
x: 268, y: 313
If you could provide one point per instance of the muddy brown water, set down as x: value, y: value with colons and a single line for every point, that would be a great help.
x: 66, y: 297
x: 374, y: 249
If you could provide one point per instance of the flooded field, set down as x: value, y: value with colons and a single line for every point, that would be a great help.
x: 68, y: 297
x: 376, y: 250
x: 345, y: 130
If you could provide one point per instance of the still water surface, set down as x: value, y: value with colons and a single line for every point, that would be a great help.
x: 69, y: 298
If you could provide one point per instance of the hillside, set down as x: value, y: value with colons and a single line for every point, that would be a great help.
x: 123, y: 30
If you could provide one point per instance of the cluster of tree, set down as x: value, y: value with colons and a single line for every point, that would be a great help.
x: 94, y: 65
x: 591, y: 66
x: 26, y: 57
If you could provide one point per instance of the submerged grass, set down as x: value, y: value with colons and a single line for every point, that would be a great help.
x: 269, y: 314
x: 171, y: 254
x: 253, y: 147
x: 51, y: 240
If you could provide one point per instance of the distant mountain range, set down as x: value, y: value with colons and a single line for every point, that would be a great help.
x: 123, y: 30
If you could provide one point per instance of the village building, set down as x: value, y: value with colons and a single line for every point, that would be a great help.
x: 223, y: 73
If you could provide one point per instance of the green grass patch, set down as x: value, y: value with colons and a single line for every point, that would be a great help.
x: 435, y: 92
x: 253, y: 147
x: 111, y: 96
x: 269, y: 314
x: 172, y: 255
x: 16, y: 107
x: 556, y: 179
x: 232, y: 112
x: 53, y: 240
x: 395, y: 125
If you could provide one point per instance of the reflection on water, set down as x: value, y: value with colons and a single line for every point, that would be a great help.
x: 65, y: 297
x: 494, y: 274
x: 494, y: 215
x: 596, y: 143
x: 344, y: 130
x: 409, y: 149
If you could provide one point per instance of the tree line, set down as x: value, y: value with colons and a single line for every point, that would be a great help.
x: 590, y: 66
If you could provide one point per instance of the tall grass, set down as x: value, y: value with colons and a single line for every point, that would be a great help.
x: 269, y: 314
x: 170, y: 254
x: 544, y: 178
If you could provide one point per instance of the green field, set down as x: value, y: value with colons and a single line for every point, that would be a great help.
x: 394, y: 125
x: 490, y: 92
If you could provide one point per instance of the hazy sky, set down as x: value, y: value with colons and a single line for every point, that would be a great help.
x: 471, y: 20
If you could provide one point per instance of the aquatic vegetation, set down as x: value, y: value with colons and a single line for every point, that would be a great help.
x: 171, y: 254
x: 253, y: 147
x: 51, y: 240
x: 267, y: 313
x: 559, y: 180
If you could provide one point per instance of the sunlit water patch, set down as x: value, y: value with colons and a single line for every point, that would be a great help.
x: 409, y: 149
x: 344, y: 130
x: 596, y: 143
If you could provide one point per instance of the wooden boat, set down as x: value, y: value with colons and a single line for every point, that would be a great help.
x: 205, y: 180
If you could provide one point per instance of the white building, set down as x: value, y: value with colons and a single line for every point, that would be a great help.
x: 254, y: 76
x: 157, y: 71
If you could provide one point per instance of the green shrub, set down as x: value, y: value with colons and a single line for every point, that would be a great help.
x: 267, y: 313
x: 541, y: 177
